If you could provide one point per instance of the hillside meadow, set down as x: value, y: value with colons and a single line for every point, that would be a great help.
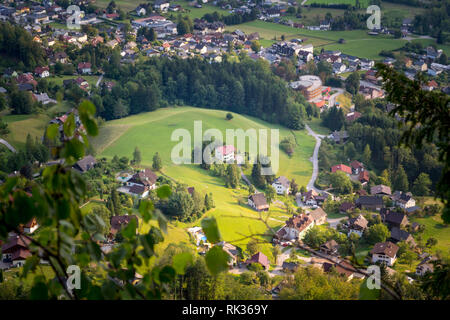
x: 151, y: 132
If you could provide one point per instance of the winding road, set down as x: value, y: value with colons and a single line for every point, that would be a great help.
x: 314, y: 159
x: 6, y: 144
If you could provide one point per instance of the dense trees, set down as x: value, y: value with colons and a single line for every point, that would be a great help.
x: 247, y: 87
x: 157, y: 162
x: 376, y: 233
x: 352, y: 83
x: 333, y: 118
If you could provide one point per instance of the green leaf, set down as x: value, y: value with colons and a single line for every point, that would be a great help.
x: 145, y: 209
x: 74, y: 148
x: 86, y: 111
x: 181, y: 261
x: 69, y: 125
x: 52, y: 131
x: 130, y: 230
x: 164, y: 191
x: 39, y: 291
x: 30, y: 264
x: 167, y: 274
x: 211, y: 230
x: 216, y: 260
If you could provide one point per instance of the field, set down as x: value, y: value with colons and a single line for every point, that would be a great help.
x: 92, y: 80
x: 364, y: 3
x: 152, y: 131
x: 435, y: 228
x: 22, y: 125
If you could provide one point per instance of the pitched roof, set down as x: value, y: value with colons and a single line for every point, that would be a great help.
x: 117, y: 222
x: 16, y: 242
x: 341, y: 267
x: 356, y: 164
x: 369, y: 200
x: 380, y: 189
x: 260, y: 258
x: 146, y: 177
x: 341, y: 167
x: 387, y: 248
x: 299, y: 222
x: 345, y: 206
x: 330, y: 245
x: 283, y: 181
x: 86, y: 163
x: 364, y: 176
x: 393, y: 217
x: 400, y: 235
x: 318, y: 214
x: 358, y: 223
x: 259, y: 200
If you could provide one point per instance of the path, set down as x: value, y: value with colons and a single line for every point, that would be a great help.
x: 6, y: 144
x: 99, y: 81
x: 332, y: 99
x: 334, y: 222
x: 314, y: 159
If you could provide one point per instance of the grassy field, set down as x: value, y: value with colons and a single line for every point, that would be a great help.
x: 364, y: 3
x: 151, y: 132
x: 22, y: 125
x: 92, y: 80
x: 435, y: 228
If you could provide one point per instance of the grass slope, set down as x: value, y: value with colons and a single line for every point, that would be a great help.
x: 151, y: 132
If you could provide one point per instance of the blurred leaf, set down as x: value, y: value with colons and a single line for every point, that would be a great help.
x: 164, y: 191
x: 129, y: 231
x: 39, y: 291
x: 86, y: 111
x: 181, y: 261
x: 30, y: 265
x: 216, y: 260
x: 167, y: 274
x: 52, y: 131
x: 145, y: 209
x: 211, y: 230
x: 69, y: 125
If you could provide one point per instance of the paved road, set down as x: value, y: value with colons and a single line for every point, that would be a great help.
x: 6, y: 144
x: 332, y: 100
x: 314, y: 159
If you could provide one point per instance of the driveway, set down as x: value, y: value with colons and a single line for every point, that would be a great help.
x: 6, y: 144
x: 334, y: 222
x: 333, y: 97
x: 314, y: 159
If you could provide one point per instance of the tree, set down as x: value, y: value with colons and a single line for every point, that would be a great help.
x: 137, y: 156
x: 350, y: 150
x: 253, y: 247
x: 352, y: 83
x: 251, y: 189
x: 100, y: 218
x: 377, y: 233
x: 233, y: 176
x: 180, y: 205
x: 209, y: 202
x: 256, y: 46
x: 21, y: 102
x: 2, y: 102
x: 341, y: 182
x: 270, y: 193
x: 294, y: 187
x: 229, y: 116
x: 257, y: 178
x: 276, y: 251
x: 367, y: 155
x: 157, y: 162
x: 431, y: 242
x: 400, y: 180
x: 421, y: 186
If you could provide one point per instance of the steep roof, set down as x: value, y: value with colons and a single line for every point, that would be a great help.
x: 86, y: 163
x: 341, y: 167
x: 283, y: 181
x: 299, y: 222
x: 380, y: 189
x: 387, y: 248
x: 260, y: 258
x: 369, y: 200
x: 318, y: 214
x: 400, y: 235
x: 259, y: 200
x: 358, y: 223
x: 117, y: 222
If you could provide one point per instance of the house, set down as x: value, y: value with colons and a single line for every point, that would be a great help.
x: 369, y: 202
x: 403, y: 200
x: 426, y: 265
x: 364, y: 177
x: 281, y: 185
x: 343, y: 268
x: 309, y: 198
x: 31, y: 226
x: 398, y: 235
x: 43, y: 98
x: 341, y: 167
x: 295, y: 228
x: 119, y: 222
x: 393, y: 218
x: 357, y: 225
x: 258, y: 202
x: 289, y: 266
x: 357, y: 167
x: 380, y: 190
x: 145, y: 177
x: 260, y: 258
x: 42, y: 72
x: 84, y: 67
x: 225, y: 153
x: 16, y: 251
x: 346, y: 207
x: 60, y: 57
x: 339, y: 67
x: 85, y: 164
x: 141, y: 11
x: 319, y: 216
x: 232, y: 252
x: 330, y: 247
x: 161, y: 5
x: 339, y: 137
x: 384, y: 252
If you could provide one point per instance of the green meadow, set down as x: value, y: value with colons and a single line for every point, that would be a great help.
x: 151, y: 132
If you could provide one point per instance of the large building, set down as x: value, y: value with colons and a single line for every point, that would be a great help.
x: 310, y: 86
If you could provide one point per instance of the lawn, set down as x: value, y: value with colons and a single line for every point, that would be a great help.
x: 435, y: 228
x: 364, y: 3
x: 22, y: 125
x: 151, y: 132
x: 316, y: 125
x: 92, y: 80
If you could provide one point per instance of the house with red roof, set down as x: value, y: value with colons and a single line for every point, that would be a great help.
x: 84, y: 67
x: 341, y: 167
x: 260, y: 258
x: 16, y: 251
x: 42, y: 72
x: 225, y: 153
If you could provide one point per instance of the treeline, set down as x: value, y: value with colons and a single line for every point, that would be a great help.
x: 17, y: 44
x: 247, y: 87
x: 232, y: 19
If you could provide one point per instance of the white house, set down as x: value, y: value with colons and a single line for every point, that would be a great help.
x: 403, y: 200
x: 281, y: 185
x: 384, y: 252
x: 295, y: 228
x: 225, y: 153
x: 162, y: 5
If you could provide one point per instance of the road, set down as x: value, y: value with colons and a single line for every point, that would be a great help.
x: 314, y: 159
x: 6, y: 144
x: 99, y: 81
x: 332, y: 99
